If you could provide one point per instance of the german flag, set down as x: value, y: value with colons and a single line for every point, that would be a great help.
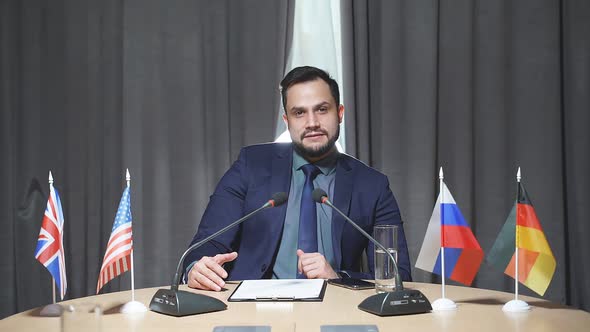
x: 536, y: 263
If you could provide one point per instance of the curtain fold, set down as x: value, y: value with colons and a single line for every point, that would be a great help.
x: 169, y: 89
x: 479, y: 88
x: 575, y: 102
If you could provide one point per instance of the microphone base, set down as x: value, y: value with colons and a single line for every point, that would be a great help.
x: 182, y: 303
x: 400, y: 302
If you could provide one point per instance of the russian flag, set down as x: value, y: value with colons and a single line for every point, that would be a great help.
x: 447, y: 228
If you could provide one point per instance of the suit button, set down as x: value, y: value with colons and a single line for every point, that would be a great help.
x: 263, y: 268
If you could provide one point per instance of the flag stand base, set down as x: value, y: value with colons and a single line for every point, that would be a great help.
x: 51, y: 310
x: 132, y: 307
x: 516, y: 306
x: 443, y: 304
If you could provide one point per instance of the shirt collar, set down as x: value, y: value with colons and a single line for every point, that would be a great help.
x: 326, y: 165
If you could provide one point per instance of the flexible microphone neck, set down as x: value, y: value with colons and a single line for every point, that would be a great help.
x: 176, y: 302
x: 320, y: 196
x: 276, y: 200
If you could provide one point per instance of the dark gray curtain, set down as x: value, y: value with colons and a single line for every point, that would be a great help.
x: 172, y: 89
x: 169, y: 89
x: 479, y: 88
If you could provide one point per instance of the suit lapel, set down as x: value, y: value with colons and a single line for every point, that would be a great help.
x: 280, y: 182
x: 342, y: 196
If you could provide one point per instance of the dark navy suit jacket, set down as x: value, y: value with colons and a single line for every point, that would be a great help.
x: 361, y: 192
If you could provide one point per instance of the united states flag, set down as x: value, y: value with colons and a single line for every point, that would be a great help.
x: 117, y: 258
x: 50, y: 246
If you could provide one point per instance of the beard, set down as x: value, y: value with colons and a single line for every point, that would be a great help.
x: 316, y: 152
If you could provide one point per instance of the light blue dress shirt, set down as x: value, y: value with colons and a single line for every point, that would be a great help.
x: 285, y: 266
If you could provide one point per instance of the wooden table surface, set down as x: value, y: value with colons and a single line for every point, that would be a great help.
x: 478, y: 310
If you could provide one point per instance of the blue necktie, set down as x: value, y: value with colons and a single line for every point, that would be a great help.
x: 308, y: 231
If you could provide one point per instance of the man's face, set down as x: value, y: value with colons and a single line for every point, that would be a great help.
x: 313, y: 118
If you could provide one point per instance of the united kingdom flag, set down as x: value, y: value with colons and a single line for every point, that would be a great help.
x: 50, y: 248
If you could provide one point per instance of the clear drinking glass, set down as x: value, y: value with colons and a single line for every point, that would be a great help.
x: 386, y: 235
x: 85, y: 317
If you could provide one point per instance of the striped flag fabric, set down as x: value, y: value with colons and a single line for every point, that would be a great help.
x: 117, y: 258
x: 50, y: 245
x: 447, y: 228
x: 536, y: 263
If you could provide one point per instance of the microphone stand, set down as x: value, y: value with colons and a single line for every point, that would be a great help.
x: 176, y: 302
x: 399, y: 302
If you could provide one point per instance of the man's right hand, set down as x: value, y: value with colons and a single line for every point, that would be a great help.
x: 208, y: 273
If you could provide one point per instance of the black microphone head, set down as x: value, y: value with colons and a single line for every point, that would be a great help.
x: 318, y: 195
x: 279, y: 198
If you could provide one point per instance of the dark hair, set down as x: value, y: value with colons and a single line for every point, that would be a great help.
x: 308, y: 74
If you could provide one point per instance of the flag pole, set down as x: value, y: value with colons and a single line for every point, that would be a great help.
x: 128, y: 179
x: 52, y: 278
x: 518, y: 177
x: 442, y: 234
x: 53, y: 284
x: 53, y: 309
x: 516, y: 305
x: 133, y: 306
x: 442, y: 304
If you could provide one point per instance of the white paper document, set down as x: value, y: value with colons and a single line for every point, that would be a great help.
x: 279, y: 290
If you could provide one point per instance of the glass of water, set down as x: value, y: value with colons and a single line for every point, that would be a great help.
x: 386, y: 235
x: 81, y: 317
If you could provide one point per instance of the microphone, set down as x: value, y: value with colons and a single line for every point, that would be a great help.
x: 399, y: 302
x: 176, y: 302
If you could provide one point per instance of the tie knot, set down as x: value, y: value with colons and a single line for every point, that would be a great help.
x: 310, y: 171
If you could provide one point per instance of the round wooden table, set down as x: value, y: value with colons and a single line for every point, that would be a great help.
x: 478, y: 310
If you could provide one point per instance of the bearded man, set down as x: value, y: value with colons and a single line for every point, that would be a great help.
x: 300, y: 239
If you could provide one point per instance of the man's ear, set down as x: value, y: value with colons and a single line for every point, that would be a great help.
x: 285, y: 120
x: 340, y: 113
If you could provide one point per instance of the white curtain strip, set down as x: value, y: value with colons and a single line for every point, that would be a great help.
x: 316, y: 42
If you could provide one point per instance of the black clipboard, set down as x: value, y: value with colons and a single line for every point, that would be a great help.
x: 319, y: 298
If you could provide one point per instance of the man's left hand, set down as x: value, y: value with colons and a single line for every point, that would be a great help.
x: 314, y: 266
